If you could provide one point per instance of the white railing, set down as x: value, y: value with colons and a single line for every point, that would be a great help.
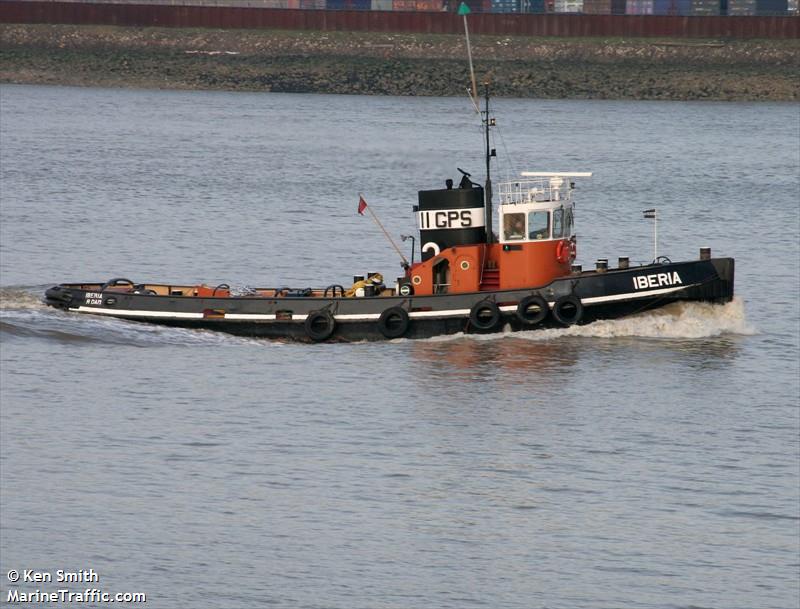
x: 539, y: 187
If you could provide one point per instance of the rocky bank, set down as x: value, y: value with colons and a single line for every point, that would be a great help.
x: 399, y: 64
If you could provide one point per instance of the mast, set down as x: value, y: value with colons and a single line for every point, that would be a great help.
x: 488, y: 122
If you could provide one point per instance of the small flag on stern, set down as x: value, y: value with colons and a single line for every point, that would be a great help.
x: 362, y: 205
x: 649, y: 213
x: 463, y: 9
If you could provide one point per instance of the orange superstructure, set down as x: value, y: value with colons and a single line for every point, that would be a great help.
x: 535, y: 243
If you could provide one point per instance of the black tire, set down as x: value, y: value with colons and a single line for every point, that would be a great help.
x: 320, y: 325
x: 485, y: 315
x: 394, y: 322
x: 532, y: 310
x: 568, y: 310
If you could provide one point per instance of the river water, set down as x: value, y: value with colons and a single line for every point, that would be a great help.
x: 649, y: 462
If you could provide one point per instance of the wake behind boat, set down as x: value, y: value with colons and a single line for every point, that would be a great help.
x: 470, y: 279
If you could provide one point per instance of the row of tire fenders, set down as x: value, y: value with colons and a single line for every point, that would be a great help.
x: 484, y: 316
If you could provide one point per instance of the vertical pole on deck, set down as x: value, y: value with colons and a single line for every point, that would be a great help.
x: 653, y: 215
x: 488, y: 190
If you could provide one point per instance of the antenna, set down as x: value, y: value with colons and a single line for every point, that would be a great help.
x: 463, y: 10
x: 488, y: 122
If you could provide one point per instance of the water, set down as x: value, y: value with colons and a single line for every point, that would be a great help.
x: 647, y: 462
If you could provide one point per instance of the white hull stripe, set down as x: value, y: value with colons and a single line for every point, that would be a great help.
x: 130, y: 313
x: 356, y: 316
x: 634, y: 295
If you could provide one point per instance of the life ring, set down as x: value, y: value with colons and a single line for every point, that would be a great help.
x: 484, y: 315
x: 532, y: 310
x: 394, y: 322
x: 563, y: 251
x: 568, y: 310
x: 320, y: 325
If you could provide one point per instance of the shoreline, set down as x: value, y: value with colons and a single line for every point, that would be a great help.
x: 398, y: 64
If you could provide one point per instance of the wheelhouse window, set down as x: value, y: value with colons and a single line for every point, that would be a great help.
x: 539, y: 225
x: 513, y: 227
x: 568, y: 222
x: 558, y: 223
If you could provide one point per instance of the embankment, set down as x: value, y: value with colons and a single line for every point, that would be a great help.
x: 398, y: 64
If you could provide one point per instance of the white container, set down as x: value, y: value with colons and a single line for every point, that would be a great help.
x: 568, y: 6
x: 639, y: 7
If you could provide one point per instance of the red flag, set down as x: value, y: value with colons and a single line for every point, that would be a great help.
x: 362, y: 205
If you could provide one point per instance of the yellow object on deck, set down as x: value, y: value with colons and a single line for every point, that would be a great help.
x: 374, y: 280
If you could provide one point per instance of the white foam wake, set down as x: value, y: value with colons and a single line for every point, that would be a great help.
x: 687, y: 320
x: 678, y: 320
x: 20, y: 297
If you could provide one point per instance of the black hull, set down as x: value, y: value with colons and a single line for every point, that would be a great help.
x: 611, y: 295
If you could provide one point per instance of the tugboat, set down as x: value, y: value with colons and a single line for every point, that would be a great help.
x: 470, y: 279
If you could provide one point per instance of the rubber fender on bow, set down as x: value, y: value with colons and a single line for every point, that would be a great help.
x: 532, y: 310
x: 394, y: 322
x: 320, y: 325
x: 485, y: 315
x: 568, y: 310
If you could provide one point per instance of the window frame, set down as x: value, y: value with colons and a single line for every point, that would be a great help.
x: 548, y: 228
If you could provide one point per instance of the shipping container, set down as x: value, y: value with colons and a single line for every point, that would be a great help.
x: 476, y: 6
x: 505, y: 6
x: 532, y: 6
x: 404, y: 5
x: 739, y: 8
x: 597, y: 7
x: 639, y: 7
x: 381, y: 5
x: 617, y: 7
x: 772, y: 7
x: 674, y: 7
x: 310, y: 4
x: 568, y: 6
x: 706, y: 7
x: 348, y: 5
x: 429, y: 5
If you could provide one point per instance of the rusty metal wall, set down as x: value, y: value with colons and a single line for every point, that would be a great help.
x: 21, y: 11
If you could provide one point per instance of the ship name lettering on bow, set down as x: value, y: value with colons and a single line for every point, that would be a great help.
x: 659, y: 280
